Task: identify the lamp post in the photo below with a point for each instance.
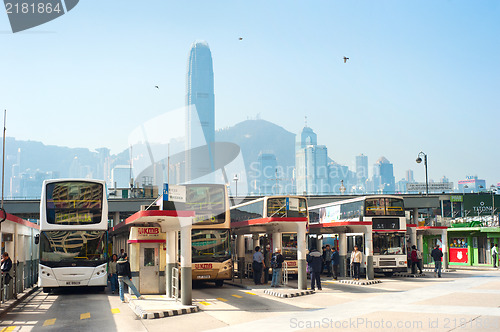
(493, 190)
(342, 187)
(419, 160)
(235, 179)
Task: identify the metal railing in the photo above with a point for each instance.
(23, 275)
(285, 274)
(175, 283)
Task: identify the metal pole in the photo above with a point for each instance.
(426, 178)
(3, 158)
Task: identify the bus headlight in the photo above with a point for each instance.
(402, 263)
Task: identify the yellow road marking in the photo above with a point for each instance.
(85, 315)
(115, 311)
(8, 329)
(237, 296)
(221, 299)
(49, 322)
(250, 293)
(205, 303)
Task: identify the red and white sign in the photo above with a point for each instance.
(459, 255)
(203, 266)
(146, 234)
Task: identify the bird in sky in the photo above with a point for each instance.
(241, 38)
(156, 86)
(345, 59)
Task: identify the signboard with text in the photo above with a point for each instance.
(434, 186)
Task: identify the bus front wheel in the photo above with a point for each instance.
(219, 283)
(46, 289)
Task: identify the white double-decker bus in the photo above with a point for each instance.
(73, 234)
(386, 216)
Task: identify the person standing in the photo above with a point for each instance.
(257, 265)
(437, 255)
(5, 266)
(328, 260)
(125, 277)
(356, 258)
(276, 264)
(494, 254)
(315, 261)
(335, 262)
(113, 277)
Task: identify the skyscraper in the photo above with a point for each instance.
(361, 170)
(383, 176)
(200, 124)
(311, 165)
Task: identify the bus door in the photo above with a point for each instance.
(149, 270)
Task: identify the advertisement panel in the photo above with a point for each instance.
(479, 204)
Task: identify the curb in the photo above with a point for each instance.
(363, 283)
(10, 306)
(288, 295)
(143, 314)
(442, 270)
(408, 275)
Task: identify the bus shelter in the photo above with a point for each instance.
(145, 229)
(342, 229)
(272, 216)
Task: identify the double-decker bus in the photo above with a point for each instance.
(270, 210)
(211, 233)
(73, 234)
(386, 215)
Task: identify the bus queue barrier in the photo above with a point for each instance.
(249, 270)
(285, 274)
(175, 283)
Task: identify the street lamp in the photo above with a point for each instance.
(342, 187)
(419, 160)
(235, 179)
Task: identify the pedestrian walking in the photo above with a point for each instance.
(276, 264)
(112, 276)
(414, 260)
(315, 262)
(125, 277)
(335, 262)
(494, 254)
(437, 255)
(258, 265)
(356, 258)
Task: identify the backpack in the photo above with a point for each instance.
(419, 254)
(274, 262)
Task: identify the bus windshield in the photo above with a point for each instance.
(211, 245)
(384, 206)
(283, 207)
(72, 248)
(389, 244)
(74, 203)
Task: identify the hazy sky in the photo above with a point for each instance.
(422, 75)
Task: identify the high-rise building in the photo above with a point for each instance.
(383, 176)
(361, 170)
(311, 165)
(266, 179)
(472, 184)
(409, 176)
(200, 102)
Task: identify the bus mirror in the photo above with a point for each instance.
(37, 239)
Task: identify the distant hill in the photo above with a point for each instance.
(35, 157)
(256, 136)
